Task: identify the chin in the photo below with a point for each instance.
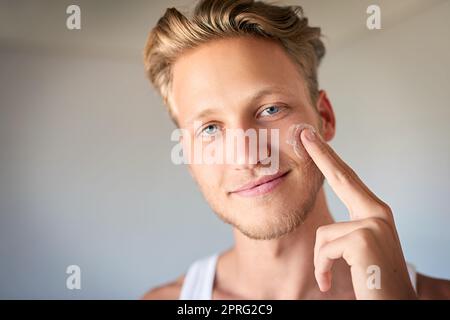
(273, 214)
(268, 229)
(265, 221)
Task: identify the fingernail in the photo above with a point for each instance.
(310, 135)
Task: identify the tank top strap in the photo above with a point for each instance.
(199, 280)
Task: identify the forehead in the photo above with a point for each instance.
(224, 72)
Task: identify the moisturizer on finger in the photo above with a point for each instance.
(295, 141)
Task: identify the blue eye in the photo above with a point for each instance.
(210, 130)
(270, 111)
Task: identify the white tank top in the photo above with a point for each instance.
(199, 280)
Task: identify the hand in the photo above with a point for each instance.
(368, 239)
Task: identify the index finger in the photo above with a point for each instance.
(357, 197)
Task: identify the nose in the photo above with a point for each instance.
(247, 147)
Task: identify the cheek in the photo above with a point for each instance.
(294, 140)
(290, 144)
(209, 177)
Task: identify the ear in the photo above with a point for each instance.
(327, 118)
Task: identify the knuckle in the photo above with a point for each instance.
(384, 208)
(363, 237)
(384, 211)
(375, 224)
(320, 231)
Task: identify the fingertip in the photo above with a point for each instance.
(324, 287)
(324, 282)
(308, 135)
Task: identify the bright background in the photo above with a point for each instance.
(85, 170)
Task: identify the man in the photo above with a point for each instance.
(250, 65)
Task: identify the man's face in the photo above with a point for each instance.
(243, 83)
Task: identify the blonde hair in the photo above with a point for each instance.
(214, 19)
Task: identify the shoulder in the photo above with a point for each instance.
(169, 291)
(432, 288)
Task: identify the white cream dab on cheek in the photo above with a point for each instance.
(294, 138)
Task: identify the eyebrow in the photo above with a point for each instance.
(254, 97)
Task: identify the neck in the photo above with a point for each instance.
(282, 268)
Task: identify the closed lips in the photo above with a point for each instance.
(271, 180)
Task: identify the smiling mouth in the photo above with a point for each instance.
(262, 187)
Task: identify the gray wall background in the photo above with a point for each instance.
(85, 170)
